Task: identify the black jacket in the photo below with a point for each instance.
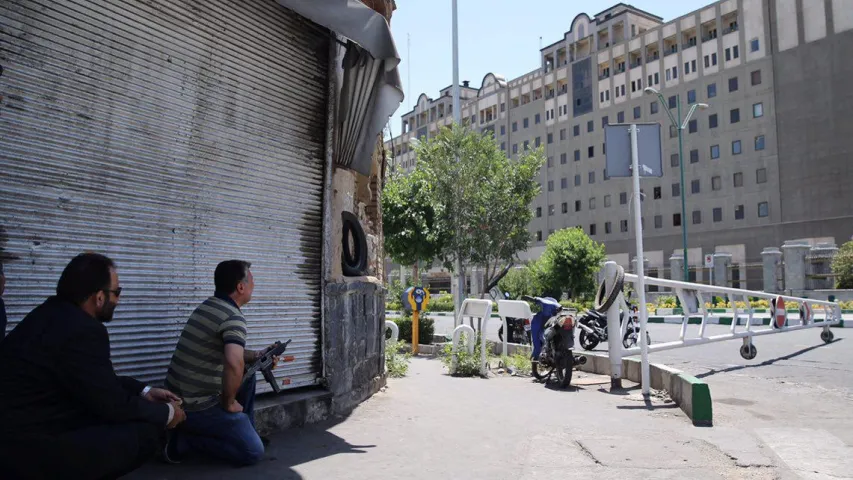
(56, 375)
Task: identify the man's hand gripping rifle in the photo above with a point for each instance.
(265, 364)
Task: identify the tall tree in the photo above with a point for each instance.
(569, 263)
(485, 197)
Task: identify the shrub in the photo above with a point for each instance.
(518, 362)
(443, 303)
(426, 329)
(396, 360)
(842, 266)
(468, 365)
(393, 306)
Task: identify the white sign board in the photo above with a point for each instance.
(709, 260)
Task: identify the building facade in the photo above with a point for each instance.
(767, 161)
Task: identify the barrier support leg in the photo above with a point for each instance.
(614, 344)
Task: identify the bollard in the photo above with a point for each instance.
(472, 341)
(614, 343)
(795, 265)
(722, 262)
(772, 263)
(676, 267)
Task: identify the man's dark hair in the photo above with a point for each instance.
(85, 275)
(229, 273)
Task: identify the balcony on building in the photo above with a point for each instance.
(525, 98)
(433, 114)
(688, 38)
(562, 87)
(489, 114)
(635, 58)
(603, 38)
(550, 93)
(709, 30)
(618, 33)
(583, 48)
(652, 52)
(670, 46)
(619, 64)
(730, 23)
(562, 58)
(548, 62)
(441, 110)
(604, 70)
(537, 94)
(515, 102)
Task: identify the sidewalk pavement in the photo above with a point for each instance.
(430, 425)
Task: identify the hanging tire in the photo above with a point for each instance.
(565, 366)
(587, 341)
(605, 298)
(354, 258)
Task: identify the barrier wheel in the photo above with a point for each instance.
(827, 336)
(748, 352)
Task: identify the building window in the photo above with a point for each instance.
(577, 155)
(503, 129)
(736, 147)
(590, 151)
(604, 121)
(539, 236)
(694, 156)
(538, 141)
(623, 198)
(657, 78)
(734, 115)
(716, 183)
(550, 138)
(538, 212)
(577, 180)
(761, 175)
(577, 205)
(526, 145)
(514, 148)
(623, 225)
(735, 52)
(606, 201)
(707, 61)
(590, 126)
(739, 214)
(550, 185)
(754, 45)
(674, 72)
(691, 97)
(715, 151)
(564, 183)
(686, 68)
(673, 132)
(757, 110)
(759, 143)
(592, 229)
(607, 95)
(653, 108)
(536, 119)
(576, 130)
(694, 186)
(592, 203)
(514, 126)
(503, 107)
(728, 54)
(673, 160)
(672, 101)
(657, 193)
(637, 112)
(676, 189)
(564, 207)
(620, 117)
(591, 177)
(550, 210)
(601, 97)
(623, 90)
(658, 221)
(562, 134)
(712, 90)
(526, 123)
(676, 219)
(763, 209)
(733, 84)
(738, 179)
(693, 126)
(718, 214)
(756, 77)
(697, 217)
(503, 146)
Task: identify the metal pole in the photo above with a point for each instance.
(457, 112)
(641, 283)
(614, 345)
(683, 191)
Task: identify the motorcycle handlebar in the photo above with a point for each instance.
(528, 298)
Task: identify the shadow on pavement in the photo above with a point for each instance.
(766, 362)
(287, 449)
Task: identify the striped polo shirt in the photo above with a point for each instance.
(195, 373)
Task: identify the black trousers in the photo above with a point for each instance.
(98, 452)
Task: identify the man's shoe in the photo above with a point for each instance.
(170, 451)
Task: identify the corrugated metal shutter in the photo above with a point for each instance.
(169, 135)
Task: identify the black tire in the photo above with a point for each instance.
(539, 375)
(827, 336)
(628, 341)
(501, 333)
(604, 299)
(354, 260)
(587, 341)
(565, 366)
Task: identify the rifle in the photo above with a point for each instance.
(264, 364)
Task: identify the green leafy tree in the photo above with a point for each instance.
(410, 221)
(569, 263)
(842, 266)
(484, 196)
(520, 281)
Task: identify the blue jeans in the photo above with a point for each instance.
(228, 436)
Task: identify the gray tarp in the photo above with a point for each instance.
(371, 89)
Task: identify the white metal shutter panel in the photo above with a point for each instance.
(170, 135)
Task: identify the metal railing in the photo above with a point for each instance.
(474, 309)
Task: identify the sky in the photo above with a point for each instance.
(499, 36)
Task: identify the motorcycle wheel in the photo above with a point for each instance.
(588, 342)
(564, 369)
(539, 375)
(631, 338)
(501, 333)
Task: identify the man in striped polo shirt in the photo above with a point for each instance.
(207, 369)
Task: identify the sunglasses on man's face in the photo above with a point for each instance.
(116, 292)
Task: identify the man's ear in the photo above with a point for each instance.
(100, 299)
(241, 287)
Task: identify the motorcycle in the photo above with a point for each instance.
(593, 329)
(553, 336)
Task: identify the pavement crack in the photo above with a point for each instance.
(588, 453)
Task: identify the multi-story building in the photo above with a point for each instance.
(770, 160)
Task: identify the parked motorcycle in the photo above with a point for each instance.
(553, 336)
(593, 329)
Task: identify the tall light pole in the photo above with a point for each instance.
(679, 125)
(457, 119)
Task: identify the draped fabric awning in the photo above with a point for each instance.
(371, 90)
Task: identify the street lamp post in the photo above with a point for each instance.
(679, 125)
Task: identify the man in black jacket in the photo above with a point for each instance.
(64, 413)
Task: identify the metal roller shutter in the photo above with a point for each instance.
(170, 135)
